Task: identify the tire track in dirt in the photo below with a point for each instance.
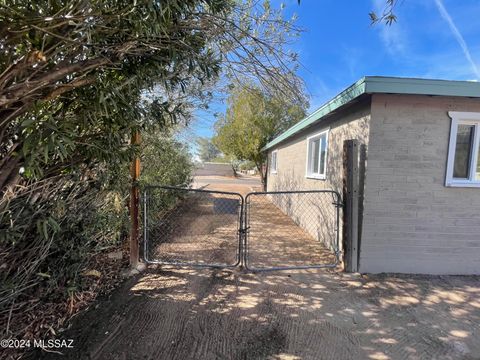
(184, 330)
(140, 330)
(307, 335)
(212, 332)
(197, 337)
(223, 314)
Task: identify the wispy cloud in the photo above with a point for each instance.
(458, 36)
(393, 37)
(320, 93)
(444, 65)
(394, 40)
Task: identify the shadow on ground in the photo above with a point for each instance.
(308, 314)
(169, 313)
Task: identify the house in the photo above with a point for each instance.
(421, 181)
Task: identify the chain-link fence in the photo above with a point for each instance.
(292, 229)
(191, 226)
(274, 230)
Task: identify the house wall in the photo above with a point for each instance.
(352, 123)
(412, 222)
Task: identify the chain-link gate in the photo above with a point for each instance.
(192, 226)
(292, 230)
(273, 231)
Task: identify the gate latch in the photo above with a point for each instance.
(243, 231)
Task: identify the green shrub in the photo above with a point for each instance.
(51, 229)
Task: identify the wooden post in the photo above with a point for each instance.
(134, 199)
(362, 163)
(351, 206)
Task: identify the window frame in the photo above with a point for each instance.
(463, 118)
(272, 169)
(310, 139)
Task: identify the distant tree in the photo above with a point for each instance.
(253, 118)
(247, 165)
(207, 151)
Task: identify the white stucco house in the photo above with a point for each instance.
(421, 185)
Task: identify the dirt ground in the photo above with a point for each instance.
(275, 241)
(203, 229)
(172, 313)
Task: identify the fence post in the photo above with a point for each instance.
(351, 193)
(134, 199)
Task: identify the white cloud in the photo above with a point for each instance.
(458, 36)
(393, 37)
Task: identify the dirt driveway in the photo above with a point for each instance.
(203, 228)
(169, 313)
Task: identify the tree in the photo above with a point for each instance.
(253, 118)
(101, 57)
(207, 151)
(76, 79)
(167, 161)
(387, 15)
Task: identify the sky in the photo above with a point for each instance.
(431, 39)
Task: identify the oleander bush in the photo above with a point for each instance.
(77, 79)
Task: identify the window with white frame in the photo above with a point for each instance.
(317, 155)
(463, 164)
(273, 162)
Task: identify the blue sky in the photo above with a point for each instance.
(431, 39)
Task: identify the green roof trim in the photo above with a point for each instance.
(383, 85)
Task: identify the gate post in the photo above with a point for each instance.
(351, 194)
(134, 199)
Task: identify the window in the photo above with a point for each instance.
(463, 165)
(273, 162)
(317, 155)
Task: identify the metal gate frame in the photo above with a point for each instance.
(145, 198)
(242, 258)
(336, 202)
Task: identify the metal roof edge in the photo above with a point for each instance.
(383, 85)
(344, 97)
(417, 86)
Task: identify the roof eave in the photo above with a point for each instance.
(413, 86)
(343, 98)
(383, 85)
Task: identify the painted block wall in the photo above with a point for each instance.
(352, 123)
(412, 222)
